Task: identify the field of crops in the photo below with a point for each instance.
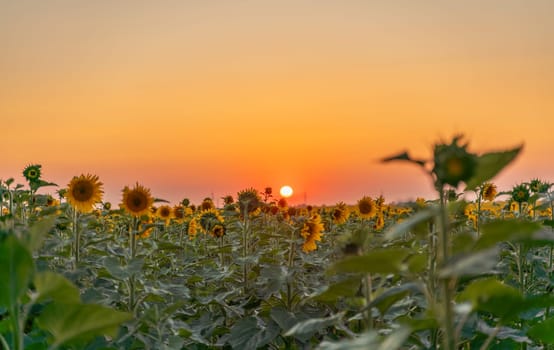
(471, 268)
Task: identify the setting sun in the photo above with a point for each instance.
(286, 191)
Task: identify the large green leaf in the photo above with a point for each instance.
(543, 332)
(385, 300)
(38, 232)
(490, 164)
(345, 288)
(80, 322)
(16, 271)
(491, 295)
(387, 260)
(243, 332)
(504, 231)
(409, 224)
(472, 264)
(314, 325)
(50, 285)
(370, 340)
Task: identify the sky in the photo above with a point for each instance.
(198, 99)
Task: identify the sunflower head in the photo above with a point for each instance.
(538, 186)
(282, 203)
(137, 201)
(228, 200)
(83, 192)
(207, 204)
(367, 207)
(249, 200)
(210, 218)
(218, 230)
(488, 191)
(192, 228)
(453, 164)
(520, 193)
(379, 222)
(179, 212)
(165, 213)
(32, 172)
(340, 213)
(311, 232)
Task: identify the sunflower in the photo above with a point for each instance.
(179, 213)
(210, 218)
(340, 213)
(453, 163)
(218, 230)
(379, 222)
(367, 207)
(192, 229)
(165, 213)
(249, 200)
(311, 232)
(137, 201)
(207, 204)
(488, 191)
(83, 192)
(282, 203)
(520, 193)
(32, 172)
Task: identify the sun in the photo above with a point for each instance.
(286, 191)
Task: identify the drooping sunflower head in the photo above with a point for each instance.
(520, 193)
(192, 228)
(340, 213)
(83, 192)
(32, 172)
(379, 222)
(367, 207)
(488, 191)
(311, 232)
(453, 163)
(249, 200)
(137, 201)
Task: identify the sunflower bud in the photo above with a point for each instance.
(453, 164)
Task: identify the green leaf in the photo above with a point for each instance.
(543, 332)
(385, 300)
(472, 264)
(38, 232)
(370, 340)
(491, 295)
(285, 319)
(313, 325)
(16, 271)
(242, 332)
(405, 157)
(504, 231)
(346, 288)
(401, 228)
(80, 322)
(385, 261)
(490, 164)
(50, 285)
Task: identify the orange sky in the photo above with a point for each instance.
(199, 98)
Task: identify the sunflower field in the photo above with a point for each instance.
(471, 268)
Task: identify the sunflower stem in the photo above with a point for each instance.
(447, 284)
(76, 237)
(245, 228)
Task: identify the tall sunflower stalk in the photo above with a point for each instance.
(83, 192)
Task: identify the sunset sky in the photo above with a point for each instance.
(201, 98)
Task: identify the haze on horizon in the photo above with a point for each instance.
(198, 98)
